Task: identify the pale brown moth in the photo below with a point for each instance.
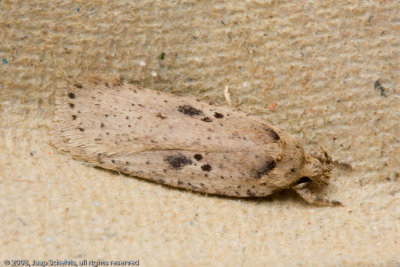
(182, 142)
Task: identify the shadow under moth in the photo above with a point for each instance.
(182, 141)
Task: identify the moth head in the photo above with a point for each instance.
(318, 167)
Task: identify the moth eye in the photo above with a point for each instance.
(303, 180)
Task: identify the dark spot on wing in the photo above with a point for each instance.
(198, 157)
(102, 125)
(206, 119)
(81, 129)
(250, 193)
(71, 105)
(265, 169)
(71, 95)
(74, 117)
(189, 110)
(273, 134)
(100, 158)
(206, 167)
(293, 170)
(178, 161)
(161, 115)
(78, 85)
(218, 115)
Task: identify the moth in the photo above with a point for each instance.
(182, 142)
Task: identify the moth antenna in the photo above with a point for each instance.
(304, 192)
(337, 163)
(343, 164)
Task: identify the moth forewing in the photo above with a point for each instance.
(178, 141)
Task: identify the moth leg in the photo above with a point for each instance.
(227, 96)
(309, 196)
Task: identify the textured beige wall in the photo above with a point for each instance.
(309, 67)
